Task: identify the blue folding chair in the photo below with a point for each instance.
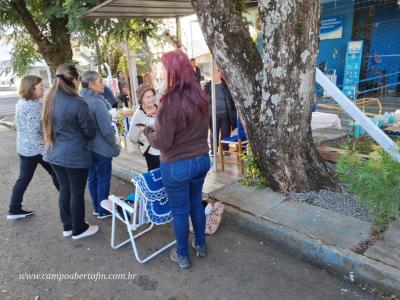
(150, 207)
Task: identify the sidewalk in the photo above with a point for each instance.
(320, 236)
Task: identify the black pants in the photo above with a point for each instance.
(124, 100)
(223, 129)
(27, 168)
(153, 161)
(72, 198)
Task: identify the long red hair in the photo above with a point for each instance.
(183, 97)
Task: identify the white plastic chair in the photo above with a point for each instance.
(134, 217)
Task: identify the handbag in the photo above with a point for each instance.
(214, 214)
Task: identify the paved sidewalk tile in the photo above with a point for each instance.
(248, 199)
(322, 224)
(388, 249)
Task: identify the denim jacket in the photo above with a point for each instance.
(104, 143)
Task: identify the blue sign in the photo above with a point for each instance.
(331, 28)
(352, 68)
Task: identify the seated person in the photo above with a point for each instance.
(238, 134)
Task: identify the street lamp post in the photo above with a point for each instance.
(191, 36)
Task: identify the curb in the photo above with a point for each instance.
(359, 268)
(10, 125)
(123, 173)
(353, 266)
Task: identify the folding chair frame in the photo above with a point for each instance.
(132, 226)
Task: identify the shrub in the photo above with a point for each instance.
(375, 181)
(253, 175)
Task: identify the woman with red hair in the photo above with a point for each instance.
(180, 132)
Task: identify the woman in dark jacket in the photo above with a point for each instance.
(68, 127)
(225, 108)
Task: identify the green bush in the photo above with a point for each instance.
(253, 175)
(375, 181)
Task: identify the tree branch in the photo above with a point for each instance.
(30, 24)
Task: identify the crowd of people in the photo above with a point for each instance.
(70, 134)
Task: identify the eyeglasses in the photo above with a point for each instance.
(98, 81)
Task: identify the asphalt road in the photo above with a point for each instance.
(239, 265)
(7, 104)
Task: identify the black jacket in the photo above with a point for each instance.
(230, 105)
(197, 74)
(73, 127)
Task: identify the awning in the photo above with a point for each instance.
(143, 9)
(140, 9)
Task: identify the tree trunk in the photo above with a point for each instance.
(273, 98)
(55, 49)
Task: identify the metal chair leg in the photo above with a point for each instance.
(221, 156)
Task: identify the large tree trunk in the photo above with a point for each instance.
(273, 98)
(56, 49)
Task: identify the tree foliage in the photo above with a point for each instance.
(51, 24)
(24, 54)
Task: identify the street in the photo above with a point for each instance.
(7, 103)
(239, 265)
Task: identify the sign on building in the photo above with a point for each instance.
(331, 28)
(352, 68)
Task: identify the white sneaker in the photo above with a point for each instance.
(90, 231)
(67, 232)
(95, 213)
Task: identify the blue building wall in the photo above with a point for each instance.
(334, 51)
(385, 44)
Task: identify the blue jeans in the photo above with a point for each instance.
(99, 180)
(183, 181)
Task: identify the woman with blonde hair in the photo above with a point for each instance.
(30, 144)
(148, 79)
(68, 126)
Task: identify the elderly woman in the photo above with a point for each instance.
(145, 115)
(103, 147)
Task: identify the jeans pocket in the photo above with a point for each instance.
(180, 170)
(206, 163)
(203, 165)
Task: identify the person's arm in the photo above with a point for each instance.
(85, 120)
(207, 90)
(104, 124)
(198, 74)
(109, 96)
(120, 86)
(134, 131)
(162, 134)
